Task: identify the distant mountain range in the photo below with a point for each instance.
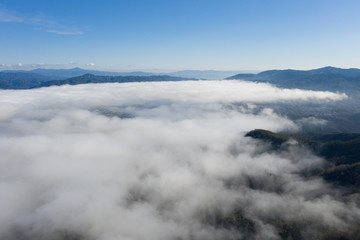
(90, 78)
(60, 74)
(327, 78)
(28, 80)
(203, 74)
(20, 79)
(341, 116)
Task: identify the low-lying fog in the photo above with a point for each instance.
(161, 160)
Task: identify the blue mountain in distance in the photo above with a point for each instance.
(327, 78)
(90, 78)
(47, 77)
(74, 72)
(351, 72)
(21, 80)
(332, 70)
(29, 80)
(340, 116)
(203, 74)
(59, 74)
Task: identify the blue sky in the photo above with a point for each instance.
(127, 35)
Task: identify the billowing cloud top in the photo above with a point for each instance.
(183, 91)
(164, 160)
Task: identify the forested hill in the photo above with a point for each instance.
(327, 78)
(340, 150)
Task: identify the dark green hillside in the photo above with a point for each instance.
(275, 139)
(345, 175)
(341, 150)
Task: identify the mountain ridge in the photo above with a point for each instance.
(60, 74)
(326, 78)
(91, 78)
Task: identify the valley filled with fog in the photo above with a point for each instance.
(163, 160)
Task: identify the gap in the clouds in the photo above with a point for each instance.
(113, 112)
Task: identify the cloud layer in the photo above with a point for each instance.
(157, 161)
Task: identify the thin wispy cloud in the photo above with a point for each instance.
(9, 16)
(59, 32)
(22, 66)
(5, 66)
(40, 20)
(17, 66)
(43, 20)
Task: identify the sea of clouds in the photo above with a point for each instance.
(160, 160)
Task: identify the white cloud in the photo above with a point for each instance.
(62, 32)
(6, 66)
(11, 66)
(174, 157)
(40, 20)
(38, 65)
(190, 92)
(21, 66)
(90, 64)
(9, 16)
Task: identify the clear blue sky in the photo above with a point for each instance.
(180, 34)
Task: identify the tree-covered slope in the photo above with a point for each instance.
(342, 151)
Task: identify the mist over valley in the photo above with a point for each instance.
(166, 160)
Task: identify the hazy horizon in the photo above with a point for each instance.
(52, 67)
